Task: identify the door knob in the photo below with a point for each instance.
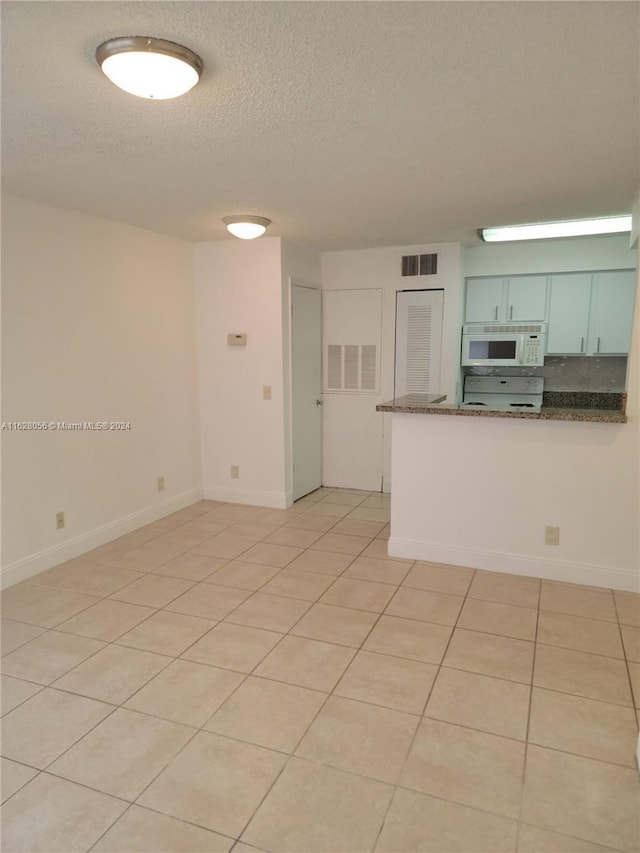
(318, 402)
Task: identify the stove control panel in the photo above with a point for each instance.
(504, 384)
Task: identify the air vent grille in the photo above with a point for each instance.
(429, 264)
(420, 264)
(334, 367)
(352, 367)
(511, 329)
(368, 373)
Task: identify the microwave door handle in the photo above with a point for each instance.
(496, 313)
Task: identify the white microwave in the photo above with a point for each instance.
(504, 346)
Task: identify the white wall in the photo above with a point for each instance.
(239, 287)
(541, 256)
(478, 492)
(243, 286)
(98, 324)
(380, 268)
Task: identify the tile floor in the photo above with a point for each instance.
(237, 678)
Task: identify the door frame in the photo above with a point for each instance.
(294, 281)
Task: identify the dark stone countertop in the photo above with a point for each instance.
(613, 401)
(426, 404)
(411, 403)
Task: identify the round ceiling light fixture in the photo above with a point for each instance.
(246, 227)
(149, 67)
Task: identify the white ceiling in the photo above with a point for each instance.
(349, 124)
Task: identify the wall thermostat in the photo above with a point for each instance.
(236, 340)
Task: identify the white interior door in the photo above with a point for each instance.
(306, 388)
(353, 437)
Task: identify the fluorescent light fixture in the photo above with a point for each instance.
(149, 67)
(549, 230)
(246, 227)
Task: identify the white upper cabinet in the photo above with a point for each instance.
(569, 313)
(504, 300)
(526, 298)
(612, 308)
(591, 313)
(483, 300)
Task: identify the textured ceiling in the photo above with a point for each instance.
(349, 124)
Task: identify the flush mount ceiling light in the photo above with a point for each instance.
(149, 67)
(246, 227)
(548, 230)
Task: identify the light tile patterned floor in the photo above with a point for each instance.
(238, 678)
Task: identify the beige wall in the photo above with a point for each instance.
(98, 324)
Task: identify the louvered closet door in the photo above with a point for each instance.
(418, 341)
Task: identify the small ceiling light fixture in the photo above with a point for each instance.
(246, 227)
(549, 230)
(149, 67)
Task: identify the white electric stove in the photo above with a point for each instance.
(503, 393)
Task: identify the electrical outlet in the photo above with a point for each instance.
(235, 472)
(551, 535)
(266, 392)
(161, 484)
(59, 520)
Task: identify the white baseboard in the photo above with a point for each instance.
(386, 484)
(252, 497)
(516, 564)
(26, 568)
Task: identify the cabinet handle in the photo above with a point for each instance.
(581, 344)
(598, 346)
(496, 313)
(511, 312)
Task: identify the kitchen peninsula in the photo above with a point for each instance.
(475, 489)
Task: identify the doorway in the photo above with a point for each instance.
(306, 387)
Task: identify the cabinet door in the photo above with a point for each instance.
(613, 299)
(526, 298)
(484, 302)
(569, 313)
(418, 341)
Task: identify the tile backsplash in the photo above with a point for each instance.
(569, 373)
